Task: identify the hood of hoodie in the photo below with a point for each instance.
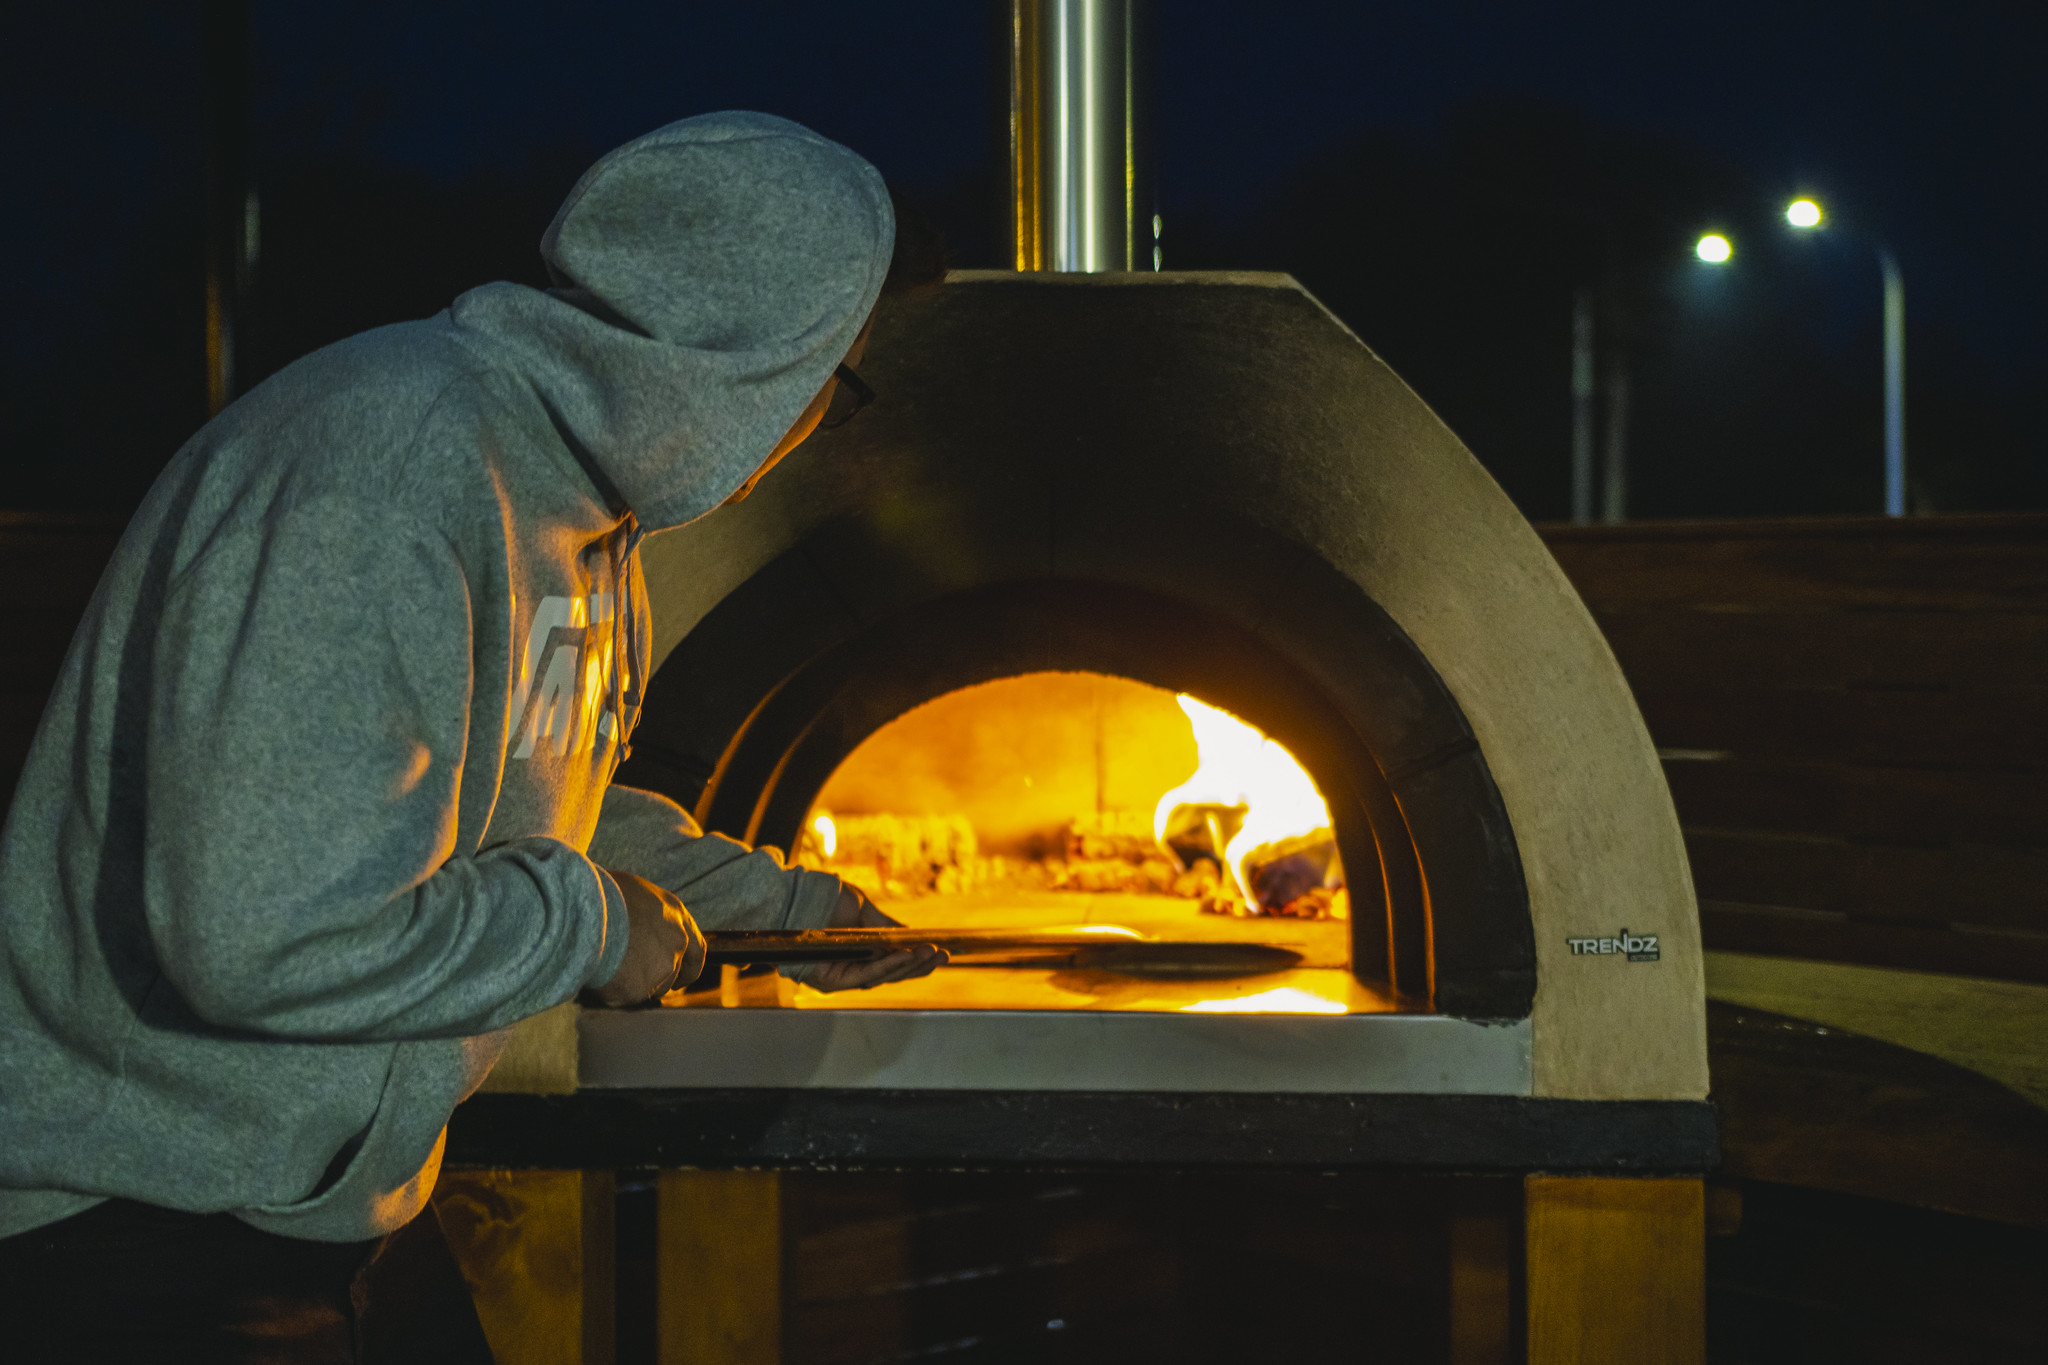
(713, 274)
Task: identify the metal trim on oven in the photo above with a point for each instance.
(1024, 1050)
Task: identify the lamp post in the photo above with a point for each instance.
(1589, 381)
(1600, 469)
(1582, 408)
(1806, 215)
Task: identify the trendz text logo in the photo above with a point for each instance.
(1638, 947)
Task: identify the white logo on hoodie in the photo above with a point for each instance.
(564, 707)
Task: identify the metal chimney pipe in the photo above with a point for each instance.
(1079, 136)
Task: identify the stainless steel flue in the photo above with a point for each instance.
(1079, 149)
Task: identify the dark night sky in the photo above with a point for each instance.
(1923, 122)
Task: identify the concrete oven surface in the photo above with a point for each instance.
(1215, 446)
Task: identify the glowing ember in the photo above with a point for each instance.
(827, 832)
(1279, 1000)
(1240, 769)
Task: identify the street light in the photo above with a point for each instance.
(1806, 214)
(1714, 249)
(1803, 213)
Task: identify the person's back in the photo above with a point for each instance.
(212, 782)
(320, 804)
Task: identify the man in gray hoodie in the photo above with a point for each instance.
(321, 804)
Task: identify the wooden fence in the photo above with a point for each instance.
(1853, 715)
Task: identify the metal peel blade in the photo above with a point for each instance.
(1101, 950)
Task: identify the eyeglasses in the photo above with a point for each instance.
(849, 396)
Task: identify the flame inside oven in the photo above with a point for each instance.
(1255, 812)
(1013, 801)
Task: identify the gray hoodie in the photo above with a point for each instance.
(319, 805)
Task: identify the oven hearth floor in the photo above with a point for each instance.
(1302, 991)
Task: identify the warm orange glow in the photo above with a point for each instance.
(1000, 800)
(1239, 766)
(1279, 1000)
(1020, 757)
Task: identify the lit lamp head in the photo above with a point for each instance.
(1714, 249)
(1803, 213)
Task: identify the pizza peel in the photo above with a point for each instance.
(1101, 949)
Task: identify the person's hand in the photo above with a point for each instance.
(664, 946)
(855, 911)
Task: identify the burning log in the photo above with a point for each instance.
(1297, 878)
(1255, 813)
(1201, 830)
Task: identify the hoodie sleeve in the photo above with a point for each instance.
(721, 883)
(309, 717)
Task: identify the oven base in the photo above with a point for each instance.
(833, 1129)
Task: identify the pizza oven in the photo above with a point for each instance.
(1122, 567)
(1153, 605)
(1141, 608)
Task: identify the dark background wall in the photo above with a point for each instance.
(1443, 175)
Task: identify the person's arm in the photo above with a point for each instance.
(725, 885)
(664, 949)
(309, 704)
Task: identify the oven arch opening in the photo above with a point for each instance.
(802, 734)
(1033, 802)
(1053, 798)
(746, 736)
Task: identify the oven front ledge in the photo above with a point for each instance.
(1047, 1050)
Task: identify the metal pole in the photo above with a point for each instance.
(1894, 384)
(1614, 503)
(1582, 407)
(1077, 136)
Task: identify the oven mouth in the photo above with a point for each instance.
(1045, 797)
(804, 734)
(1087, 808)
(1404, 833)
